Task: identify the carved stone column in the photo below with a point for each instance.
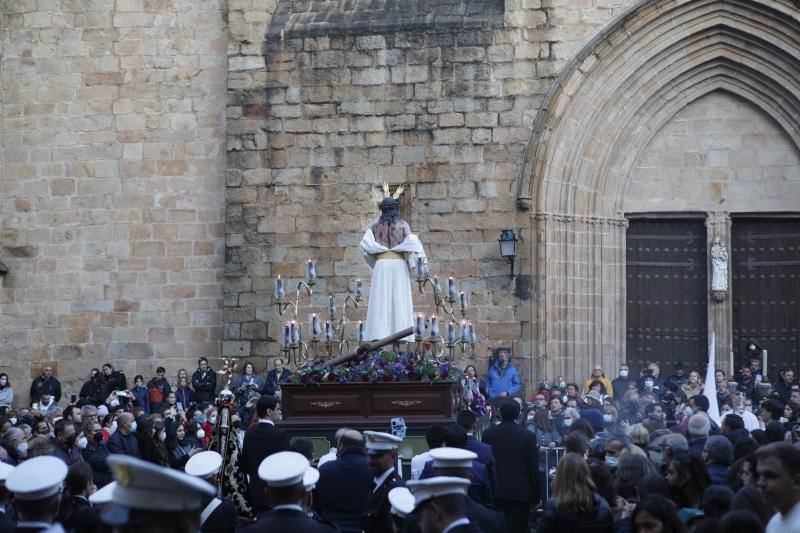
(580, 310)
(720, 313)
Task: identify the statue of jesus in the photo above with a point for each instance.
(391, 250)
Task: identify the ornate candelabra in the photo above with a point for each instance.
(444, 305)
(331, 336)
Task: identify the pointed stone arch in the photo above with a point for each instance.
(604, 109)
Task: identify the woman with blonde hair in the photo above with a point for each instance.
(575, 505)
(694, 386)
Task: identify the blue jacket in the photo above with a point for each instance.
(140, 398)
(350, 472)
(500, 380)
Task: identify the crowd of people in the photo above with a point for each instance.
(636, 453)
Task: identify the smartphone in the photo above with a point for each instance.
(121, 393)
(180, 406)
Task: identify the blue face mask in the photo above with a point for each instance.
(133, 426)
(612, 462)
(201, 418)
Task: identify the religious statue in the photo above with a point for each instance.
(391, 250)
(719, 270)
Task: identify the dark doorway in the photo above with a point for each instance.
(765, 267)
(667, 306)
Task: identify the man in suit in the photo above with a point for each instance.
(457, 462)
(283, 474)
(349, 469)
(219, 515)
(123, 441)
(480, 489)
(440, 503)
(382, 458)
(278, 375)
(466, 419)
(261, 441)
(516, 456)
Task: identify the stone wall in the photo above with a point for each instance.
(355, 97)
(111, 185)
(719, 153)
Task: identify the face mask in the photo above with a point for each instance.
(22, 447)
(562, 384)
(201, 419)
(748, 408)
(608, 419)
(113, 427)
(783, 420)
(567, 422)
(212, 420)
(133, 426)
(623, 373)
(612, 462)
(13, 420)
(649, 384)
(114, 403)
(162, 436)
(687, 411)
(82, 443)
(530, 417)
(201, 434)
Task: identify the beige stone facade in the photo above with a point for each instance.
(164, 160)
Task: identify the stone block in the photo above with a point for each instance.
(370, 76)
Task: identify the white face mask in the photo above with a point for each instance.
(608, 419)
(201, 434)
(612, 462)
(162, 436)
(567, 422)
(114, 403)
(623, 373)
(748, 408)
(648, 384)
(82, 443)
(688, 411)
(22, 447)
(133, 426)
(13, 420)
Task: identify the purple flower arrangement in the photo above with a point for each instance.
(378, 367)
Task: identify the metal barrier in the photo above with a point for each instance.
(550, 472)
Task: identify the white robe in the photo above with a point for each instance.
(390, 307)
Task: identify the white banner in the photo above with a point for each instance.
(710, 385)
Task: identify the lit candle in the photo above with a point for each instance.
(451, 333)
(331, 305)
(451, 289)
(311, 270)
(328, 332)
(360, 332)
(315, 329)
(420, 327)
(463, 298)
(280, 293)
(464, 332)
(434, 326)
(472, 337)
(359, 289)
(437, 287)
(287, 336)
(420, 268)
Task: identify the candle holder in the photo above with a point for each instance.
(440, 302)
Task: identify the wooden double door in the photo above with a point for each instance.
(668, 291)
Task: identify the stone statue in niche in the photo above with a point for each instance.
(719, 270)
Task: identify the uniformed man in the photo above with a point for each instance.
(36, 485)
(283, 473)
(151, 498)
(440, 503)
(402, 505)
(382, 458)
(220, 515)
(6, 515)
(458, 462)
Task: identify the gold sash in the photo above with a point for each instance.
(390, 255)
